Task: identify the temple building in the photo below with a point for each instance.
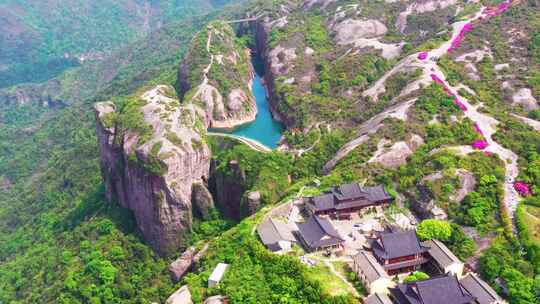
(318, 233)
(346, 199)
(400, 252)
(440, 290)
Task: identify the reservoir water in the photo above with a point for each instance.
(264, 129)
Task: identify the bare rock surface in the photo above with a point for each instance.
(524, 97)
(281, 60)
(467, 185)
(202, 73)
(322, 3)
(252, 202)
(350, 30)
(365, 34)
(181, 266)
(181, 296)
(219, 299)
(202, 200)
(419, 7)
(396, 155)
(152, 173)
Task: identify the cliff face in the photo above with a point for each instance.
(216, 75)
(229, 188)
(45, 95)
(272, 67)
(152, 153)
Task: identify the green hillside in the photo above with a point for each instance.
(40, 39)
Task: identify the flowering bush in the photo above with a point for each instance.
(460, 104)
(480, 144)
(457, 41)
(522, 188)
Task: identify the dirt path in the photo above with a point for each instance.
(429, 67)
(535, 124)
(488, 126)
(339, 275)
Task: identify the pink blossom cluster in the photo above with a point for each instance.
(462, 106)
(480, 144)
(522, 188)
(423, 55)
(478, 130)
(457, 41)
(438, 80)
(495, 11)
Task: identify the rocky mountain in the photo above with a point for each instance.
(153, 152)
(216, 74)
(435, 100)
(161, 142)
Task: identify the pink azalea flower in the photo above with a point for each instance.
(423, 55)
(522, 188)
(437, 79)
(460, 104)
(480, 144)
(457, 41)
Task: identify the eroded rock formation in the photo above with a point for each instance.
(216, 75)
(181, 296)
(152, 153)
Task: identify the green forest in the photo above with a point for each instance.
(61, 241)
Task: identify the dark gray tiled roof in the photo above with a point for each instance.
(272, 231)
(369, 266)
(319, 232)
(440, 253)
(378, 298)
(479, 289)
(439, 290)
(397, 244)
(348, 191)
(362, 196)
(355, 191)
(323, 202)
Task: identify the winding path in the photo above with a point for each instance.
(430, 73)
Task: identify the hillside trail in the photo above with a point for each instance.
(341, 277)
(431, 72)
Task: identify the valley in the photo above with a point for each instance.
(270, 150)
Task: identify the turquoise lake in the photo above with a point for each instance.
(264, 129)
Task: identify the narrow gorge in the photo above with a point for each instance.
(155, 154)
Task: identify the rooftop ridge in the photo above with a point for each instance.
(371, 261)
(483, 284)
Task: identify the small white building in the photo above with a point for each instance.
(217, 274)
